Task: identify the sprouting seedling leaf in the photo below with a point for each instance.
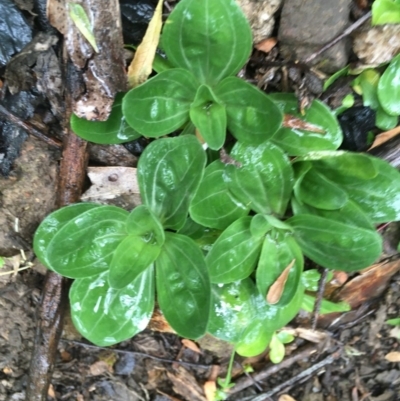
(141, 65)
(82, 22)
(275, 292)
(290, 121)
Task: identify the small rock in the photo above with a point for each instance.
(125, 365)
(378, 44)
(260, 14)
(307, 25)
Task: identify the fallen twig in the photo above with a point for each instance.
(302, 375)
(270, 370)
(318, 300)
(333, 42)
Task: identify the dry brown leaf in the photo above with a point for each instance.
(290, 121)
(79, 397)
(185, 384)
(286, 397)
(276, 290)
(210, 387)
(191, 345)
(99, 368)
(369, 284)
(313, 336)
(385, 136)
(266, 45)
(50, 392)
(214, 372)
(142, 64)
(393, 357)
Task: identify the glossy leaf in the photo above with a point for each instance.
(212, 38)
(385, 12)
(261, 224)
(264, 181)
(114, 130)
(52, 224)
(214, 205)
(183, 286)
(169, 173)
(336, 245)
(310, 279)
(161, 105)
(350, 213)
(79, 17)
(85, 245)
(234, 254)
(378, 197)
(241, 316)
(209, 117)
(389, 88)
(342, 166)
(297, 142)
(131, 257)
(385, 121)
(192, 229)
(141, 222)
(318, 191)
(252, 116)
(278, 252)
(366, 84)
(106, 316)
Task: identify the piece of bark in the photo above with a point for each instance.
(103, 72)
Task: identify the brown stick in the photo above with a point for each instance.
(51, 311)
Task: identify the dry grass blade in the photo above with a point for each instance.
(385, 136)
(276, 290)
(141, 65)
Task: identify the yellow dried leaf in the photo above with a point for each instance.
(393, 357)
(141, 65)
(286, 397)
(276, 290)
(210, 387)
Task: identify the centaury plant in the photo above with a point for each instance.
(221, 242)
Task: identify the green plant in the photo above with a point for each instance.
(226, 239)
(385, 12)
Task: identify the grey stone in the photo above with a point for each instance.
(307, 25)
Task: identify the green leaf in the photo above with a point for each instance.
(318, 191)
(277, 350)
(237, 315)
(298, 142)
(106, 316)
(261, 224)
(141, 222)
(139, 250)
(378, 197)
(161, 105)
(212, 38)
(342, 72)
(234, 254)
(389, 88)
(385, 12)
(183, 286)
(214, 205)
(278, 252)
(336, 245)
(326, 306)
(209, 117)
(285, 337)
(114, 130)
(192, 229)
(79, 17)
(264, 181)
(350, 213)
(342, 166)
(240, 315)
(366, 84)
(252, 116)
(85, 245)
(385, 121)
(52, 224)
(310, 279)
(393, 322)
(169, 173)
